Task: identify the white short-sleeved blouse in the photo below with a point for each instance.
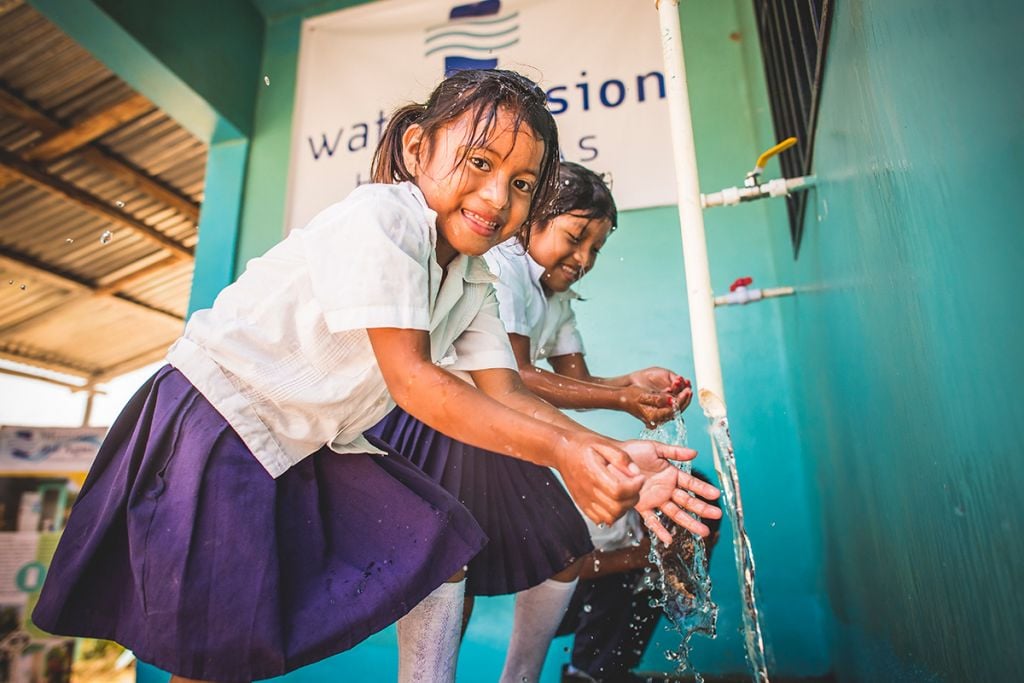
(283, 354)
(549, 322)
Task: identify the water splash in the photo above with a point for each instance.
(683, 582)
(725, 464)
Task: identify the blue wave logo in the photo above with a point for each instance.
(472, 30)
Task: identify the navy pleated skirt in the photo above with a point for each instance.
(534, 528)
(182, 548)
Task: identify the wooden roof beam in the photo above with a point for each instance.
(84, 132)
(79, 288)
(15, 105)
(31, 174)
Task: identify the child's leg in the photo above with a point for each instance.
(467, 611)
(538, 612)
(428, 636)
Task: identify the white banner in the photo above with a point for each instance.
(48, 449)
(598, 60)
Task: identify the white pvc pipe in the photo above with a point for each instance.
(710, 392)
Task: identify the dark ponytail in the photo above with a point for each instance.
(388, 161)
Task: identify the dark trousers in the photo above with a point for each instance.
(610, 636)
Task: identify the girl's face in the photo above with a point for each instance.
(483, 200)
(567, 246)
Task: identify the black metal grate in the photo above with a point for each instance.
(794, 35)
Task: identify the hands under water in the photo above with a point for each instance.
(655, 395)
(606, 478)
(669, 489)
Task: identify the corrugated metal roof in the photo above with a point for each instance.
(72, 300)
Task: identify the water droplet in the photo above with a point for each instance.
(69, 241)
(10, 282)
(602, 525)
(958, 510)
(119, 204)
(773, 525)
(587, 608)
(24, 287)
(621, 259)
(106, 237)
(266, 80)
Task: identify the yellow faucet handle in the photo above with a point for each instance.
(772, 151)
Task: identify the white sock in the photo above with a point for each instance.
(428, 637)
(539, 611)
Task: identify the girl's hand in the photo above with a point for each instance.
(651, 408)
(599, 476)
(664, 381)
(654, 379)
(669, 489)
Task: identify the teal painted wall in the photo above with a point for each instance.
(213, 46)
(904, 343)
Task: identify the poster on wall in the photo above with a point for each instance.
(599, 62)
(48, 449)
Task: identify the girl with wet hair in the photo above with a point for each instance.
(236, 523)
(537, 537)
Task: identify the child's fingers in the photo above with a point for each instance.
(652, 522)
(696, 505)
(614, 480)
(599, 513)
(677, 453)
(683, 519)
(619, 459)
(701, 488)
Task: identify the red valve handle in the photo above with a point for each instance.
(741, 282)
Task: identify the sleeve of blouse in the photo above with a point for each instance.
(511, 290)
(368, 264)
(568, 338)
(484, 345)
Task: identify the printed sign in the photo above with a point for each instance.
(598, 61)
(48, 449)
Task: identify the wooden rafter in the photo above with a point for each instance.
(15, 105)
(32, 174)
(78, 287)
(48, 363)
(84, 132)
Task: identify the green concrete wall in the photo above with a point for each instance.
(213, 46)
(904, 343)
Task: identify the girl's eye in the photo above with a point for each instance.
(523, 185)
(573, 238)
(479, 163)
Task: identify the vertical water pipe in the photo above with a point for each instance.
(710, 391)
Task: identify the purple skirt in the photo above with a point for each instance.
(182, 548)
(534, 528)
